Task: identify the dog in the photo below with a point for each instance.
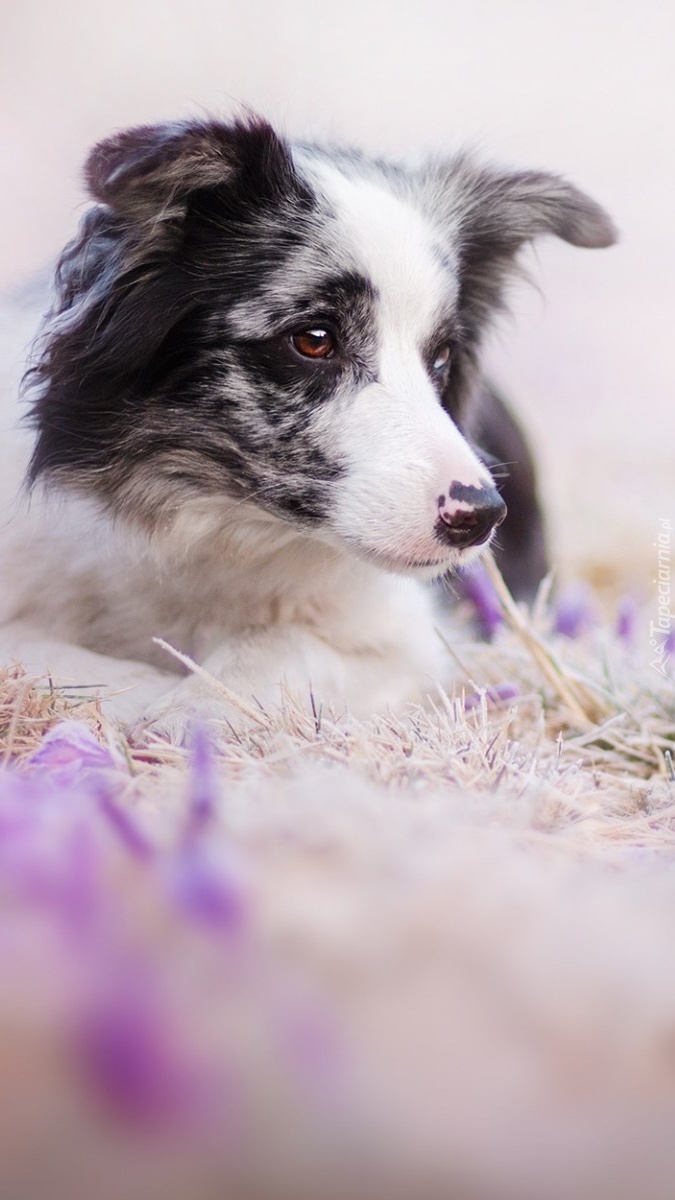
(259, 422)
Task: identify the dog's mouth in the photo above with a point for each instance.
(424, 568)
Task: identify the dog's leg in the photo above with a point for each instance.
(520, 543)
(246, 677)
(125, 688)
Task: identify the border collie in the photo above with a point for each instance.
(260, 423)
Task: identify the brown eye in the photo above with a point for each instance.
(441, 358)
(313, 343)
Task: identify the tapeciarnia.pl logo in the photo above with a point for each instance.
(661, 630)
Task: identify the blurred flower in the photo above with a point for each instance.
(478, 588)
(311, 1044)
(573, 612)
(209, 890)
(497, 693)
(205, 885)
(69, 749)
(124, 826)
(204, 786)
(626, 620)
(128, 1053)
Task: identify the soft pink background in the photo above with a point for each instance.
(585, 88)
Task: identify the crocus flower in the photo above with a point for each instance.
(478, 588)
(127, 1053)
(497, 693)
(311, 1043)
(68, 750)
(209, 891)
(124, 826)
(626, 619)
(204, 787)
(574, 613)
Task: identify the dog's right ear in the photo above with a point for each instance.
(149, 183)
(150, 168)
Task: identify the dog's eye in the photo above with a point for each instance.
(441, 358)
(313, 343)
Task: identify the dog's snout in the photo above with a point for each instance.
(472, 523)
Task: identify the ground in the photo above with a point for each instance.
(376, 947)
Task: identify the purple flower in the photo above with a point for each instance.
(495, 694)
(54, 869)
(478, 588)
(574, 613)
(126, 1050)
(311, 1043)
(204, 788)
(76, 881)
(625, 620)
(125, 827)
(209, 891)
(68, 750)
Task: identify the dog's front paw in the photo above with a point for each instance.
(191, 704)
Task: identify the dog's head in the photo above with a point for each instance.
(244, 319)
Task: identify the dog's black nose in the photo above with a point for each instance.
(469, 526)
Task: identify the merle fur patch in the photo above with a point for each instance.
(165, 369)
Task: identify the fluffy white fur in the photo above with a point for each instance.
(273, 523)
(248, 597)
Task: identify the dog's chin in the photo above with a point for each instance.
(424, 569)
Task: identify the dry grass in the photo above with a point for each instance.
(477, 896)
(30, 705)
(586, 737)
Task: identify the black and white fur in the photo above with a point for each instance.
(272, 515)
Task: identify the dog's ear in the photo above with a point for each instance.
(499, 210)
(149, 168)
(490, 213)
(507, 210)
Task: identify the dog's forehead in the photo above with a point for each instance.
(390, 242)
(362, 237)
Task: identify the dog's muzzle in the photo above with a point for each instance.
(472, 520)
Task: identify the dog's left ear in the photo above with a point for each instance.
(499, 210)
(490, 213)
(487, 215)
